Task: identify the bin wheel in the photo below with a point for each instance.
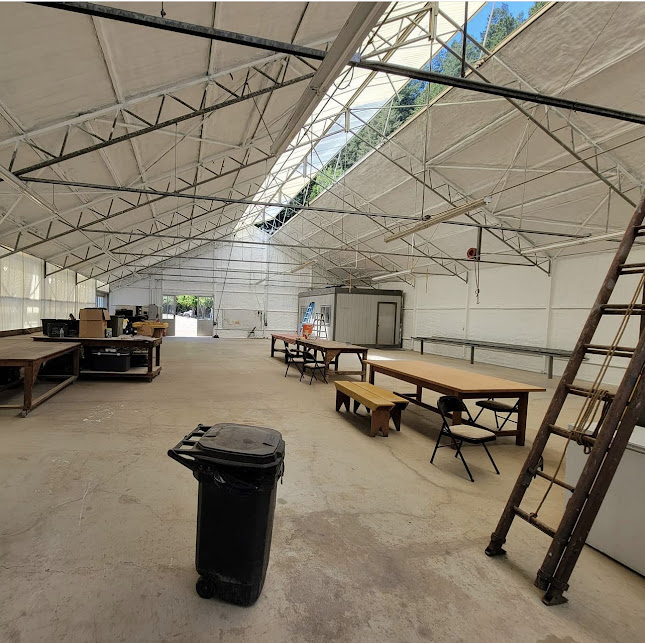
(205, 588)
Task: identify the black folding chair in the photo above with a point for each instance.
(461, 433)
(316, 365)
(293, 357)
(498, 408)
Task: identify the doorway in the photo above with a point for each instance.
(188, 315)
(386, 323)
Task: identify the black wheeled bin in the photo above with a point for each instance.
(238, 467)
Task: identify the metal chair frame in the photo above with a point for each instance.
(295, 358)
(509, 413)
(448, 404)
(316, 365)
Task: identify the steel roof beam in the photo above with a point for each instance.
(317, 54)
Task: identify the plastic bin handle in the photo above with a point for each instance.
(187, 462)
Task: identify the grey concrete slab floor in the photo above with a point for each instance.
(371, 542)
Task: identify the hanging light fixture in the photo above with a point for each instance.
(392, 274)
(439, 218)
(304, 265)
(571, 242)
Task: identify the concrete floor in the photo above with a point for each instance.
(371, 542)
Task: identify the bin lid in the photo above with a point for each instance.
(241, 444)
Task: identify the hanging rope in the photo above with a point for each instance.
(592, 403)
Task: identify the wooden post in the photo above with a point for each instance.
(28, 388)
(380, 420)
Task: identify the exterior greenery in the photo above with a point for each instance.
(407, 102)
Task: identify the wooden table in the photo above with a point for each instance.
(23, 353)
(151, 344)
(463, 384)
(330, 351)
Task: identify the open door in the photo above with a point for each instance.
(386, 323)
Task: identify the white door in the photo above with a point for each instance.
(386, 324)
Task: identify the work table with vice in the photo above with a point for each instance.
(151, 344)
(22, 353)
(329, 349)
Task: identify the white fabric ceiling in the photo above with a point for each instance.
(69, 81)
(480, 145)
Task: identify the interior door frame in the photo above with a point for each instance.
(378, 308)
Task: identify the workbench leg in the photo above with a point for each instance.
(272, 346)
(363, 358)
(522, 414)
(421, 346)
(158, 354)
(472, 354)
(28, 388)
(150, 361)
(549, 370)
(418, 395)
(336, 362)
(371, 375)
(76, 362)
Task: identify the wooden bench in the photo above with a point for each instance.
(382, 404)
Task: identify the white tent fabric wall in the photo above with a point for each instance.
(249, 282)
(517, 305)
(27, 296)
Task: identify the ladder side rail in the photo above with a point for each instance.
(498, 537)
(559, 583)
(590, 471)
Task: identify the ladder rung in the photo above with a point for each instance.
(640, 230)
(546, 476)
(565, 433)
(632, 268)
(618, 351)
(582, 391)
(621, 309)
(534, 521)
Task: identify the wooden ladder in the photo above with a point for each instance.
(607, 443)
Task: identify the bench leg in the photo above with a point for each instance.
(341, 399)
(380, 420)
(396, 417)
(357, 405)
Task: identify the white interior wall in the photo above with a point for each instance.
(242, 298)
(518, 305)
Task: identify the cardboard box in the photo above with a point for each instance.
(94, 314)
(91, 328)
(93, 322)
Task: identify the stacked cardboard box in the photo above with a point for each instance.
(93, 322)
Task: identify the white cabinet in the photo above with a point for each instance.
(619, 529)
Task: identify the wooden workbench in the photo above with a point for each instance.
(329, 350)
(23, 353)
(151, 344)
(463, 384)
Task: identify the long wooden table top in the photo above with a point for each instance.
(318, 343)
(426, 373)
(21, 350)
(141, 340)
